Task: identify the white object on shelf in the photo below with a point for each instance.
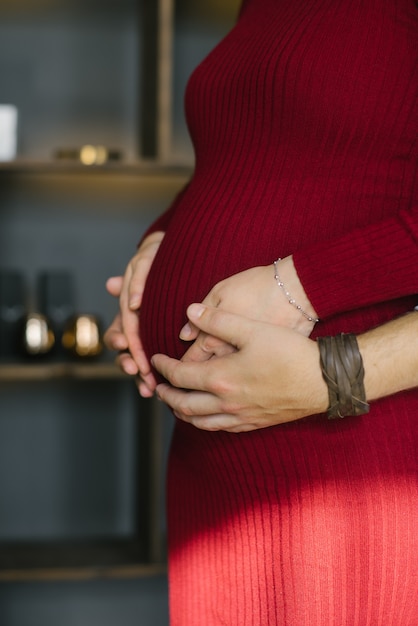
(8, 132)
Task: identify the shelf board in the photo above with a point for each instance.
(76, 560)
(146, 169)
(15, 372)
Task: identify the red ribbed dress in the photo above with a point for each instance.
(305, 125)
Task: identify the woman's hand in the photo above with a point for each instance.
(123, 333)
(272, 376)
(255, 294)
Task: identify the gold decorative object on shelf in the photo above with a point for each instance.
(89, 155)
(82, 336)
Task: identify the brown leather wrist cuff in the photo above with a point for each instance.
(343, 371)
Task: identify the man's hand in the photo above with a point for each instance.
(254, 294)
(272, 375)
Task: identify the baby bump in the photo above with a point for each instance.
(196, 253)
(212, 236)
(182, 273)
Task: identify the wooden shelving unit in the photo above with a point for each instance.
(32, 186)
(38, 193)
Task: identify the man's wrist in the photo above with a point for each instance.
(390, 357)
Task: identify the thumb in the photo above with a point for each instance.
(229, 327)
(114, 285)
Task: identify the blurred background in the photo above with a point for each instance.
(93, 146)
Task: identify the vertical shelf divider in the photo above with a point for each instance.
(150, 481)
(157, 74)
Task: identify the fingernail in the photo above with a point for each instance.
(133, 302)
(185, 332)
(195, 310)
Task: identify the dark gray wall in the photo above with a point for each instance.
(101, 603)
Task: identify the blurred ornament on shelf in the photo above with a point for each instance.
(89, 155)
(8, 132)
(38, 336)
(82, 336)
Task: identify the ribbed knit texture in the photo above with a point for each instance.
(305, 123)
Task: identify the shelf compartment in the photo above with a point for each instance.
(141, 552)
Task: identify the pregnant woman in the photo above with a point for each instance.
(304, 122)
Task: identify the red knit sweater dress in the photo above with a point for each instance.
(305, 124)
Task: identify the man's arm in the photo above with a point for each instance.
(274, 375)
(390, 357)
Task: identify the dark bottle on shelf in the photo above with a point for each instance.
(12, 313)
(55, 299)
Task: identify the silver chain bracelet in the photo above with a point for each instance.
(291, 300)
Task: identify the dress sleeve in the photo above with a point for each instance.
(367, 266)
(162, 222)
